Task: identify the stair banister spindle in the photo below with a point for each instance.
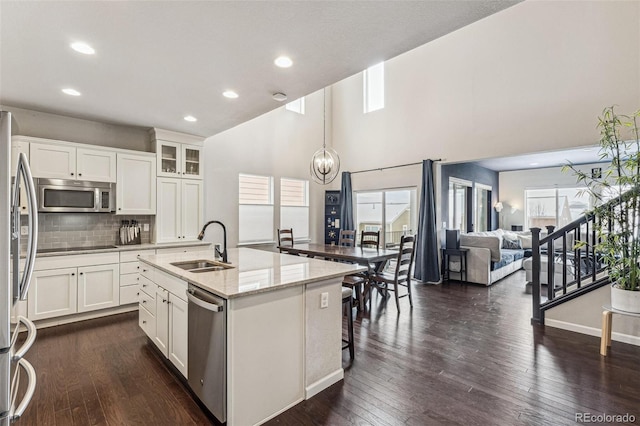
(535, 269)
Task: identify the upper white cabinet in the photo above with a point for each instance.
(53, 161)
(179, 160)
(136, 184)
(178, 155)
(98, 166)
(69, 162)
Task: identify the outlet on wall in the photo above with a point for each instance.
(324, 300)
(145, 227)
(24, 230)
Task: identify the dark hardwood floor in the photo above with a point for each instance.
(465, 354)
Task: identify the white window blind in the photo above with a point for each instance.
(294, 207)
(296, 106)
(255, 199)
(374, 88)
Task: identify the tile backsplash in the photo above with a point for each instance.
(62, 230)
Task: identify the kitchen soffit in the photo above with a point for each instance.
(156, 62)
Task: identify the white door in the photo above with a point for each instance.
(52, 161)
(191, 161)
(136, 184)
(95, 165)
(53, 293)
(178, 340)
(98, 287)
(192, 208)
(169, 156)
(162, 321)
(168, 221)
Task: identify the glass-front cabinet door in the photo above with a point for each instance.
(169, 159)
(191, 158)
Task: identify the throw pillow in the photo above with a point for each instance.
(511, 244)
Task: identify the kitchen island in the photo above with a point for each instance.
(282, 345)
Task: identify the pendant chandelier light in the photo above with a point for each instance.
(325, 163)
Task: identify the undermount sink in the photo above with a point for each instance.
(202, 265)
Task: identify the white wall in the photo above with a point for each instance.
(514, 183)
(279, 144)
(531, 78)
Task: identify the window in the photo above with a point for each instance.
(554, 206)
(396, 208)
(255, 199)
(296, 106)
(374, 88)
(294, 206)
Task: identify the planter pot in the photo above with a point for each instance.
(625, 300)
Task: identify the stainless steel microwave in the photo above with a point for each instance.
(60, 195)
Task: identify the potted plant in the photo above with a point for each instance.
(616, 195)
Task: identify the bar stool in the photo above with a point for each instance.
(347, 303)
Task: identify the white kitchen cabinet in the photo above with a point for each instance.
(53, 293)
(169, 315)
(52, 161)
(191, 162)
(16, 149)
(66, 161)
(136, 184)
(178, 160)
(178, 332)
(180, 210)
(98, 287)
(95, 165)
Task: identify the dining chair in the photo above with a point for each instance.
(401, 277)
(354, 281)
(347, 304)
(285, 239)
(347, 238)
(370, 239)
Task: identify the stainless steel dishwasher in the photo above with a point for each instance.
(207, 362)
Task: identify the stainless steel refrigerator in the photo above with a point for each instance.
(14, 286)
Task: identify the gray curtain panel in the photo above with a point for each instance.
(427, 268)
(346, 203)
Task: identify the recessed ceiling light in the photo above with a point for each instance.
(283, 61)
(190, 118)
(230, 94)
(83, 48)
(533, 164)
(72, 92)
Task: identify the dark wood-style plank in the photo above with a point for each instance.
(464, 355)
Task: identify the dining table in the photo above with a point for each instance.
(374, 259)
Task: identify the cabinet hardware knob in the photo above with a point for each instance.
(178, 236)
(164, 300)
(138, 267)
(71, 174)
(138, 294)
(79, 174)
(24, 207)
(81, 273)
(183, 236)
(144, 285)
(73, 274)
(144, 322)
(144, 301)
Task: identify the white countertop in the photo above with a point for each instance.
(254, 271)
(116, 248)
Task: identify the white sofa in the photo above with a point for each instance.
(485, 248)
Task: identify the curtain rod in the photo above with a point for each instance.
(391, 167)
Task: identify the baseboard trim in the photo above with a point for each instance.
(592, 331)
(52, 322)
(324, 383)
